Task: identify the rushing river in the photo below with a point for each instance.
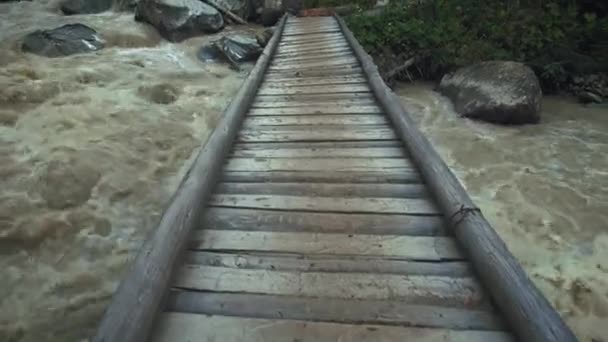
(545, 190)
(114, 129)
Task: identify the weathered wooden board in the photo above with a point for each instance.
(315, 53)
(318, 109)
(323, 177)
(328, 119)
(318, 89)
(299, 100)
(313, 98)
(426, 290)
(304, 33)
(316, 133)
(313, 81)
(310, 41)
(310, 37)
(390, 246)
(182, 327)
(380, 152)
(339, 264)
(325, 189)
(318, 145)
(365, 101)
(297, 221)
(318, 164)
(330, 310)
(327, 204)
(319, 48)
(313, 57)
(308, 72)
(287, 65)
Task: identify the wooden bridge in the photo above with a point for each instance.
(318, 212)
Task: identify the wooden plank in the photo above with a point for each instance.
(372, 152)
(335, 28)
(317, 99)
(295, 221)
(329, 119)
(317, 164)
(528, 312)
(309, 40)
(425, 290)
(308, 72)
(318, 48)
(323, 177)
(315, 263)
(366, 101)
(311, 37)
(281, 65)
(329, 244)
(183, 327)
(318, 145)
(133, 309)
(324, 109)
(315, 57)
(313, 53)
(325, 189)
(380, 205)
(315, 80)
(317, 133)
(349, 88)
(330, 310)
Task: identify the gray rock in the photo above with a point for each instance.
(589, 97)
(264, 37)
(497, 92)
(70, 7)
(236, 49)
(177, 20)
(239, 7)
(62, 41)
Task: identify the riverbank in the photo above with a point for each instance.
(543, 187)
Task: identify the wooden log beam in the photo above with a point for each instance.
(526, 310)
(137, 300)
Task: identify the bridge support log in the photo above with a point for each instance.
(526, 310)
(141, 293)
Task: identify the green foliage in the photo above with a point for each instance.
(549, 35)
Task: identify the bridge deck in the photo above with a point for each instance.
(317, 211)
(321, 228)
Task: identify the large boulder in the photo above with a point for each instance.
(177, 20)
(62, 41)
(236, 49)
(70, 7)
(497, 92)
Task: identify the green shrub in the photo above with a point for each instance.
(555, 37)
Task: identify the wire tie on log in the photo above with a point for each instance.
(462, 213)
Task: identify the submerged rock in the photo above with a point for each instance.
(177, 20)
(67, 183)
(237, 48)
(264, 37)
(497, 92)
(70, 7)
(62, 41)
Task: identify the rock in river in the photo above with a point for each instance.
(236, 48)
(62, 41)
(85, 6)
(497, 92)
(177, 20)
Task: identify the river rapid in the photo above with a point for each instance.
(543, 187)
(92, 146)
